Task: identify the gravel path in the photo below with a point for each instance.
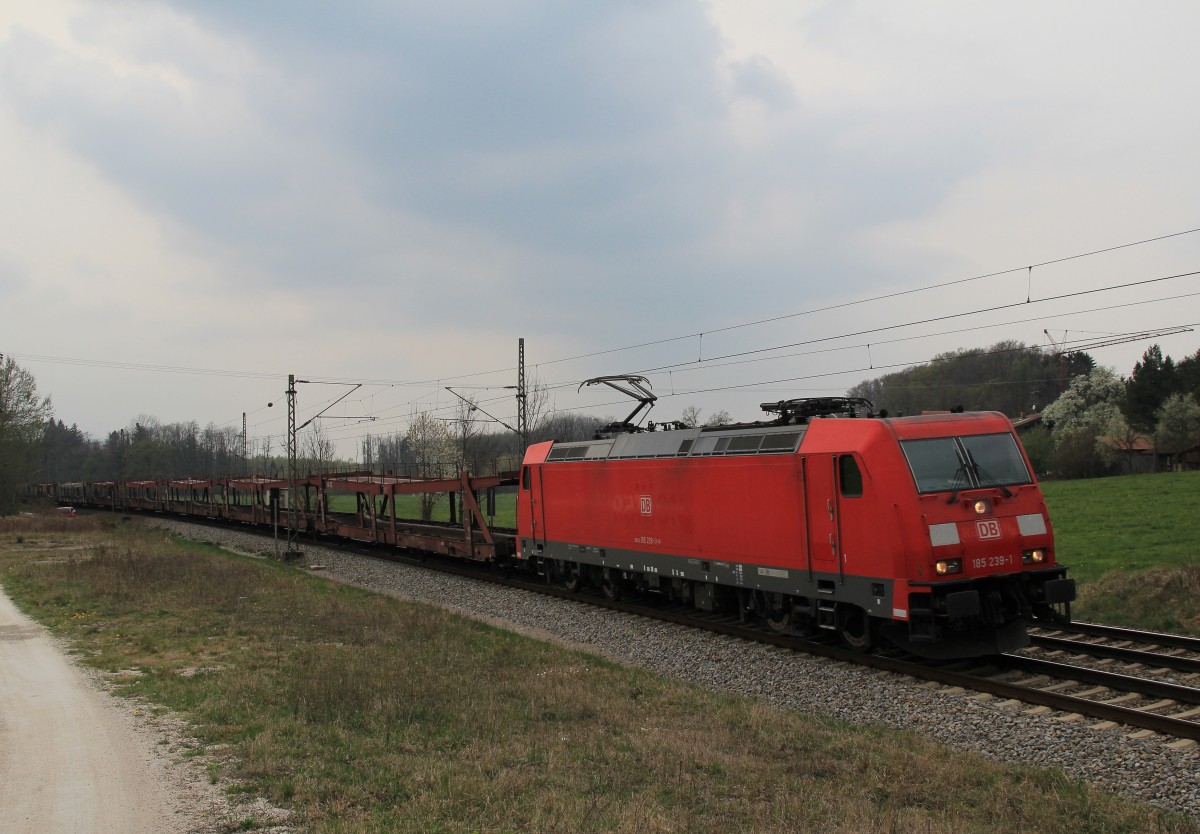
(69, 758)
(1145, 769)
(76, 760)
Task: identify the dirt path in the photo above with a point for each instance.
(74, 760)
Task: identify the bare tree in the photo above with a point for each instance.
(368, 453)
(262, 459)
(538, 409)
(467, 430)
(565, 426)
(385, 453)
(318, 448)
(690, 416)
(23, 419)
(719, 418)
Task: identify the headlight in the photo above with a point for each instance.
(948, 566)
(983, 506)
(1034, 557)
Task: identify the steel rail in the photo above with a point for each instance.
(1174, 641)
(1189, 665)
(1110, 680)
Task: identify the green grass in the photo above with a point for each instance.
(1133, 544)
(367, 714)
(1126, 523)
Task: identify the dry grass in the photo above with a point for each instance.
(51, 524)
(367, 714)
(1160, 599)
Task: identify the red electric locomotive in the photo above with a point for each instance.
(929, 531)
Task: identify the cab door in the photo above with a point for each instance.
(531, 512)
(821, 512)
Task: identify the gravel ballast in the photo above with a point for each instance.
(1146, 769)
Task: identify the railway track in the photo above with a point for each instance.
(1146, 705)
(1116, 633)
(1155, 651)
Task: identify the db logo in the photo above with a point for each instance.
(988, 529)
(645, 499)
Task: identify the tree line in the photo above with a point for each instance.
(37, 447)
(1010, 377)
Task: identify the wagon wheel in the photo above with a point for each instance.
(855, 627)
(572, 576)
(609, 584)
(778, 612)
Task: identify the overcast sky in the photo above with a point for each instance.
(394, 193)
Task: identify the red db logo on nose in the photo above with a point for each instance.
(988, 529)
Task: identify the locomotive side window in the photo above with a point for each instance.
(849, 477)
(780, 442)
(944, 464)
(525, 478)
(745, 443)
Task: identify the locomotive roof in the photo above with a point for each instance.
(697, 442)
(760, 438)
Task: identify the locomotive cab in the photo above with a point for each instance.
(986, 565)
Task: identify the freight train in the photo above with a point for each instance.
(925, 532)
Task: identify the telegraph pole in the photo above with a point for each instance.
(293, 548)
(293, 535)
(522, 427)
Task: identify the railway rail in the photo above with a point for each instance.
(1152, 659)
(1153, 638)
(1147, 706)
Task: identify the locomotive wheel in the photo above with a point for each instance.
(609, 585)
(856, 628)
(572, 576)
(778, 613)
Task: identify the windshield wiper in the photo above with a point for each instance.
(982, 475)
(961, 475)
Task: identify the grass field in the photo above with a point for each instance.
(367, 714)
(1133, 544)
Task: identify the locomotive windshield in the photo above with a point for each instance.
(942, 464)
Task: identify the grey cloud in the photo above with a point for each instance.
(589, 139)
(756, 77)
(14, 274)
